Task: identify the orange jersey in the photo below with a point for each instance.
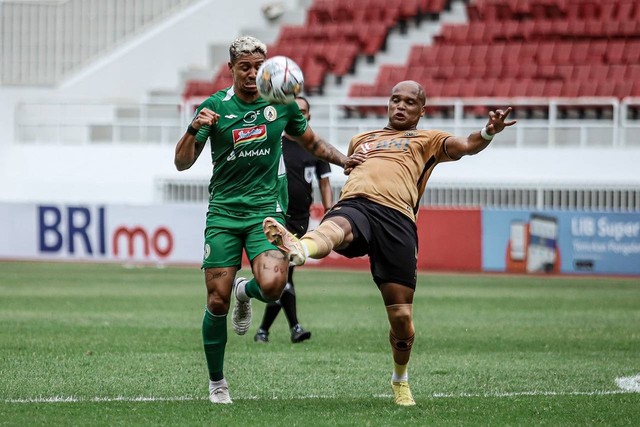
(397, 168)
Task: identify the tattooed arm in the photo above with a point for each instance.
(323, 150)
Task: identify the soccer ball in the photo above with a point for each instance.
(279, 80)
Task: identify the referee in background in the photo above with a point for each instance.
(301, 166)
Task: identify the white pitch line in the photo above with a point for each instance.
(629, 383)
(73, 399)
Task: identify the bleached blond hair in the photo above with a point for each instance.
(246, 45)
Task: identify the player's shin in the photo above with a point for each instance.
(401, 337)
(214, 337)
(320, 242)
(252, 290)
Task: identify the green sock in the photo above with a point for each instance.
(252, 290)
(214, 337)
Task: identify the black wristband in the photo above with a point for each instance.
(191, 130)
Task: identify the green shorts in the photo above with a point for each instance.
(227, 234)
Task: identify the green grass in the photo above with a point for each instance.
(490, 350)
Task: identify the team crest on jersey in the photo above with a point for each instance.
(270, 113)
(252, 134)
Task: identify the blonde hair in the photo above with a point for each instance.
(246, 45)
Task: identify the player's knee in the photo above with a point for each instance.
(271, 294)
(217, 304)
(401, 317)
(271, 286)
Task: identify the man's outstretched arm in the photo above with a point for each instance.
(456, 147)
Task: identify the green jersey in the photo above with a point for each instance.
(249, 175)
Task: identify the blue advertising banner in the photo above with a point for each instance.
(560, 241)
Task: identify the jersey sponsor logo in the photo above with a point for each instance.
(248, 153)
(410, 133)
(250, 117)
(254, 153)
(270, 113)
(252, 134)
(397, 144)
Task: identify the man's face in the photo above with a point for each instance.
(244, 72)
(304, 108)
(405, 107)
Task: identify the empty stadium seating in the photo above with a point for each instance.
(334, 34)
(508, 48)
(527, 48)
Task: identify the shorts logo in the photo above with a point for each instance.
(252, 134)
(270, 113)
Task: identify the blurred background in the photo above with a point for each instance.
(94, 95)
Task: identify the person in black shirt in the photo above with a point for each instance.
(301, 168)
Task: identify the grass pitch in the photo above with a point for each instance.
(106, 345)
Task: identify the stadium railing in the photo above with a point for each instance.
(538, 196)
(607, 122)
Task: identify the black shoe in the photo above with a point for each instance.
(261, 336)
(298, 334)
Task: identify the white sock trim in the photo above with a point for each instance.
(305, 249)
(214, 315)
(219, 383)
(241, 295)
(396, 378)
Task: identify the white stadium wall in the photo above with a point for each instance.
(128, 173)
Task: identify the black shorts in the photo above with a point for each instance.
(297, 226)
(389, 237)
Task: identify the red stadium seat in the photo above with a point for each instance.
(596, 72)
(543, 47)
(536, 88)
(614, 73)
(615, 52)
(623, 89)
(553, 88)
(571, 89)
(605, 88)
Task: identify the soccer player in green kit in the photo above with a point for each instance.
(248, 184)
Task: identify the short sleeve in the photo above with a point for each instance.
(204, 131)
(323, 169)
(297, 124)
(437, 139)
